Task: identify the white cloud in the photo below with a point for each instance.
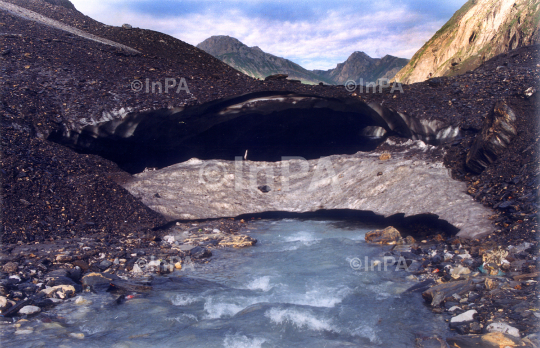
(317, 44)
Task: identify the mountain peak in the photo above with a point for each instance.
(221, 44)
(256, 63)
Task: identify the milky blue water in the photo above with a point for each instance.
(295, 288)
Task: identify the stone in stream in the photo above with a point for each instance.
(11, 311)
(29, 310)
(81, 301)
(422, 286)
(98, 281)
(387, 236)
(200, 253)
(78, 335)
(439, 293)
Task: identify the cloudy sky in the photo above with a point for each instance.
(316, 34)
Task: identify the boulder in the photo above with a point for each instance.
(127, 26)
(439, 293)
(387, 236)
(497, 132)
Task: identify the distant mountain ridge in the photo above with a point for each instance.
(478, 31)
(361, 66)
(256, 63)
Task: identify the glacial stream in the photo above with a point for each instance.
(295, 288)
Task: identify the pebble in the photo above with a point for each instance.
(24, 332)
(79, 335)
(29, 310)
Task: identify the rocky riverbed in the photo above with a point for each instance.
(47, 273)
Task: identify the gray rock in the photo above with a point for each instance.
(29, 310)
(127, 26)
(463, 318)
(504, 328)
(105, 264)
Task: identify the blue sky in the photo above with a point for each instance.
(316, 34)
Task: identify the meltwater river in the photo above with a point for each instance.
(295, 288)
